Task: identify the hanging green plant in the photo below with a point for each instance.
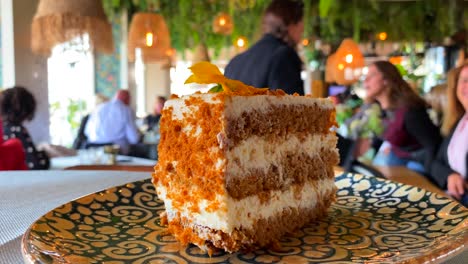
(190, 22)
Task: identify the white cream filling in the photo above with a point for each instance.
(179, 108)
(236, 105)
(245, 212)
(257, 153)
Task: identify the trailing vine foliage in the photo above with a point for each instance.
(190, 22)
(428, 20)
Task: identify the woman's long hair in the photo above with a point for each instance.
(279, 15)
(401, 94)
(454, 109)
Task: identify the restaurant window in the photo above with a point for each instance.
(71, 88)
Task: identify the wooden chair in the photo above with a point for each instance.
(12, 155)
(141, 168)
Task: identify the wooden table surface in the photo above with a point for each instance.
(404, 175)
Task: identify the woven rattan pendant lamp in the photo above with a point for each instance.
(223, 24)
(149, 33)
(59, 21)
(348, 62)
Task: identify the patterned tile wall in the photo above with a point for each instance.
(108, 66)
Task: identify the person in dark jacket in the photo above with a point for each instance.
(273, 62)
(450, 169)
(410, 137)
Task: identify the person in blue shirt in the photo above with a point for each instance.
(113, 122)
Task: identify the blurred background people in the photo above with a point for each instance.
(410, 137)
(437, 99)
(17, 105)
(273, 61)
(113, 122)
(450, 169)
(81, 139)
(152, 120)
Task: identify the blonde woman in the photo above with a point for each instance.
(450, 168)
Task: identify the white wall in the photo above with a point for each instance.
(7, 56)
(158, 83)
(30, 70)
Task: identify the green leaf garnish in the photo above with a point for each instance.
(216, 89)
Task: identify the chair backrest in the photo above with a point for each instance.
(141, 168)
(12, 156)
(346, 148)
(1, 131)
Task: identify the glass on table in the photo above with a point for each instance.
(92, 156)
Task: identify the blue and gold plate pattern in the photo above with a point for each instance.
(372, 221)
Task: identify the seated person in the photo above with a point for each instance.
(16, 106)
(11, 153)
(113, 122)
(152, 120)
(81, 140)
(450, 169)
(410, 137)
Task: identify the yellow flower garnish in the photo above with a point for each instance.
(207, 73)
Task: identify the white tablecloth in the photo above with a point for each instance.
(26, 196)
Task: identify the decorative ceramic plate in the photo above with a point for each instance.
(373, 220)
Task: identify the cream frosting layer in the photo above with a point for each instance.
(180, 109)
(245, 212)
(257, 153)
(236, 105)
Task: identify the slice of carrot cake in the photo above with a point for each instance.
(240, 167)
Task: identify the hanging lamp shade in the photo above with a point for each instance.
(348, 63)
(223, 24)
(59, 21)
(149, 33)
(241, 43)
